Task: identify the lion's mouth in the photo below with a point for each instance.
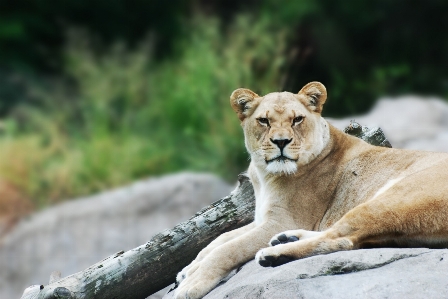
(281, 158)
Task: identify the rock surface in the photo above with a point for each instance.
(408, 122)
(74, 235)
(368, 273)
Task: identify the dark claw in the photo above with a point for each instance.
(267, 262)
(269, 258)
(293, 239)
(281, 260)
(270, 261)
(275, 242)
(264, 263)
(282, 238)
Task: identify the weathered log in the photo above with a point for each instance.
(374, 135)
(148, 268)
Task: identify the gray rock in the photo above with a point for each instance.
(368, 273)
(74, 235)
(408, 122)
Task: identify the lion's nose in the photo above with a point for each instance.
(281, 143)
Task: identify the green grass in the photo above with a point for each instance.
(131, 117)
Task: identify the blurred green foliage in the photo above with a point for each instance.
(359, 49)
(132, 117)
(95, 94)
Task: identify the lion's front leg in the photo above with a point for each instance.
(385, 219)
(204, 275)
(297, 244)
(217, 242)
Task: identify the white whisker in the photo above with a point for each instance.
(285, 167)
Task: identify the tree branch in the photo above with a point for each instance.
(144, 270)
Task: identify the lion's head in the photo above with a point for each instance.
(282, 130)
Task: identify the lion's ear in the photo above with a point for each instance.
(313, 95)
(242, 101)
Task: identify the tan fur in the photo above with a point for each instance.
(343, 193)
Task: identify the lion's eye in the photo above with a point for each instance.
(264, 121)
(297, 120)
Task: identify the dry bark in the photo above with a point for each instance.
(144, 270)
(148, 268)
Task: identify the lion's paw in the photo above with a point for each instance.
(282, 239)
(195, 287)
(187, 292)
(199, 279)
(186, 271)
(181, 276)
(271, 258)
(292, 236)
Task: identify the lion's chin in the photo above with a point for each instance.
(282, 167)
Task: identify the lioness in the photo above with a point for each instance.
(319, 190)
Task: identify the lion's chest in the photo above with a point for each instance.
(269, 204)
(261, 205)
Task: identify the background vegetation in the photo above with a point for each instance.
(96, 94)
